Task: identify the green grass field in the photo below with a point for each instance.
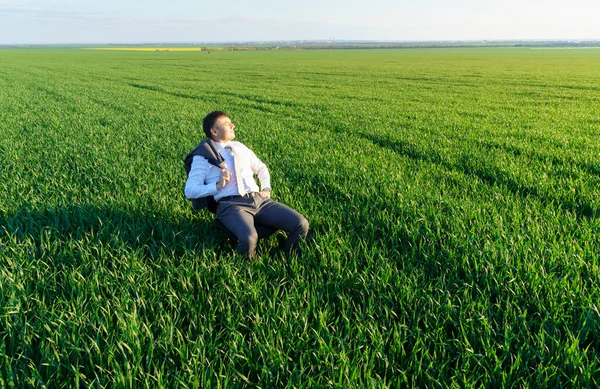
(453, 197)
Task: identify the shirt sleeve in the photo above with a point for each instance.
(260, 169)
(195, 185)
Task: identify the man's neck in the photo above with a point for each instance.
(221, 141)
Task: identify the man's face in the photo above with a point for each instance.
(223, 130)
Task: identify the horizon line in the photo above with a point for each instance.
(328, 41)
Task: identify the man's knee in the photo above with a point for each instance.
(303, 227)
(252, 239)
(247, 244)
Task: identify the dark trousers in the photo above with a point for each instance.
(242, 216)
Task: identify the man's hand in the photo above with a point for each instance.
(223, 179)
(265, 194)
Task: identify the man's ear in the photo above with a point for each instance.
(213, 131)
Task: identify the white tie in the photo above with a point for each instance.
(237, 171)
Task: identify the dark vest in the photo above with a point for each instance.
(208, 150)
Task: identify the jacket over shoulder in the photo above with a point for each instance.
(208, 150)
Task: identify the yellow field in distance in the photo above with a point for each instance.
(146, 48)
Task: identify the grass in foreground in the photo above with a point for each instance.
(452, 195)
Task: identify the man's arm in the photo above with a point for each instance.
(195, 186)
(260, 169)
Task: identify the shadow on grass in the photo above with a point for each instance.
(262, 100)
(490, 175)
(150, 232)
(593, 169)
(158, 89)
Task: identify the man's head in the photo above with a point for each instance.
(218, 126)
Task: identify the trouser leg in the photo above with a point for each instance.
(240, 221)
(276, 215)
(264, 231)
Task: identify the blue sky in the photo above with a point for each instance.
(137, 21)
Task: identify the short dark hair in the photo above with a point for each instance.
(209, 121)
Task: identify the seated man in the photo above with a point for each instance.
(241, 206)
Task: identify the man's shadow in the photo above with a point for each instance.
(150, 231)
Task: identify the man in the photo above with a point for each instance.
(242, 206)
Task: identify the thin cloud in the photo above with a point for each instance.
(53, 13)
